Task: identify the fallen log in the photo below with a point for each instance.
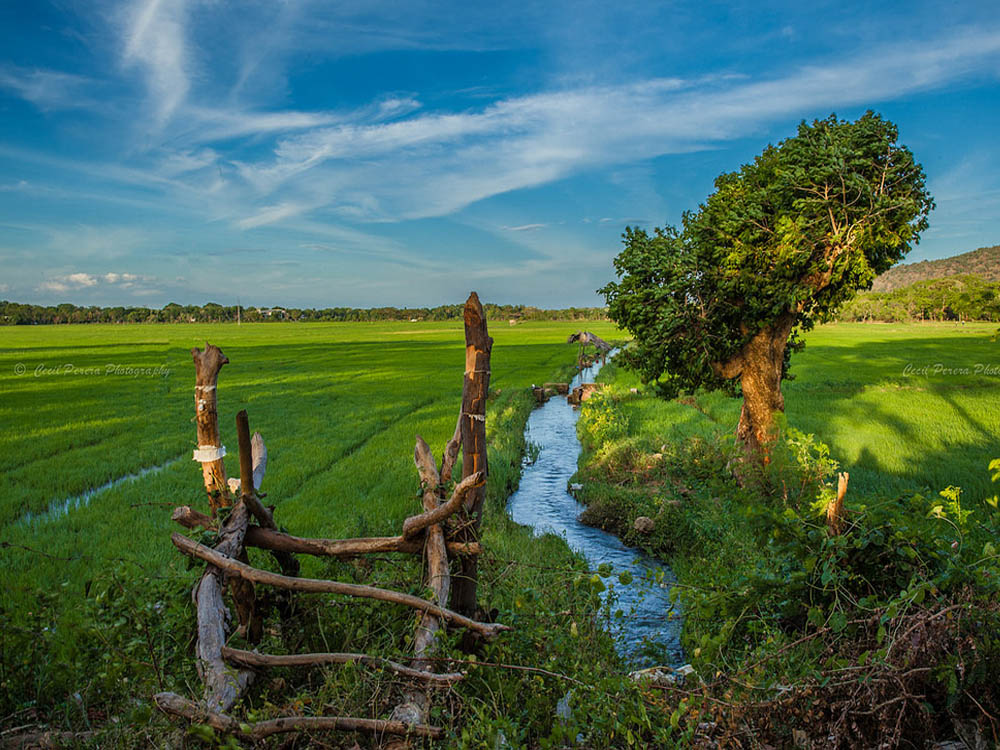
(175, 705)
(435, 515)
(319, 586)
(255, 660)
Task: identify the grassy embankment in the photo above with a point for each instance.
(96, 602)
(885, 632)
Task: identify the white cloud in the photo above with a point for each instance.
(47, 89)
(80, 280)
(526, 228)
(271, 214)
(433, 164)
(154, 38)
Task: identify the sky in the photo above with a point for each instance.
(342, 153)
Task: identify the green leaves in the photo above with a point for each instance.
(795, 232)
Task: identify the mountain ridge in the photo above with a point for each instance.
(983, 262)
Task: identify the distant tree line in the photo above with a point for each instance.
(14, 313)
(962, 298)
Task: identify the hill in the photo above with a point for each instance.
(984, 262)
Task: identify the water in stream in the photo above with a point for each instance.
(643, 633)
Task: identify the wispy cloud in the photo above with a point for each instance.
(47, 89)
(526, 228)
(155, 40)
(441, 162)
(271, 214)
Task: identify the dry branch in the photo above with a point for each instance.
(415, 524)
(451, 451)
(190, 518)
(345, 548)
(248, 478)
(175, 705)
(255, 660)
(415, 706)
(318, 586)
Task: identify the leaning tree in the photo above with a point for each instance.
(780, 244)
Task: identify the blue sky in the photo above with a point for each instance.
(402, 153)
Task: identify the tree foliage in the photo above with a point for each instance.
(962, 298)
(15, 313)
(780, 244)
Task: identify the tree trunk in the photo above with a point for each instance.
(475, 389)
(763, 358)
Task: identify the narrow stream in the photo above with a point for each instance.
(644, 634)
(59, 508)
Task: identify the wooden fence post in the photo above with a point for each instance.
(207, 364)
(475, 389)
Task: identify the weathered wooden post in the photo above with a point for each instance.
(835, 510)
(210, 450)
(475, 388)
(415, 706)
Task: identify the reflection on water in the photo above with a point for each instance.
(644, 634)
(59, 508)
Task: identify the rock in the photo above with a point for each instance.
(557, 387)
(575, 487)
(666, 676)
(589, 389)
(644, 524)
(540, 395)
(563, 711)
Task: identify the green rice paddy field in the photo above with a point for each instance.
(338, 405)
(901, 406)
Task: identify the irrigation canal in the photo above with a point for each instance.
(643, 633)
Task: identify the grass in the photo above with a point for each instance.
(769, 597)
(97, 602)
(338, 405)
(875, 394)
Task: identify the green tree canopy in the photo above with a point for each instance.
(780, 244)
